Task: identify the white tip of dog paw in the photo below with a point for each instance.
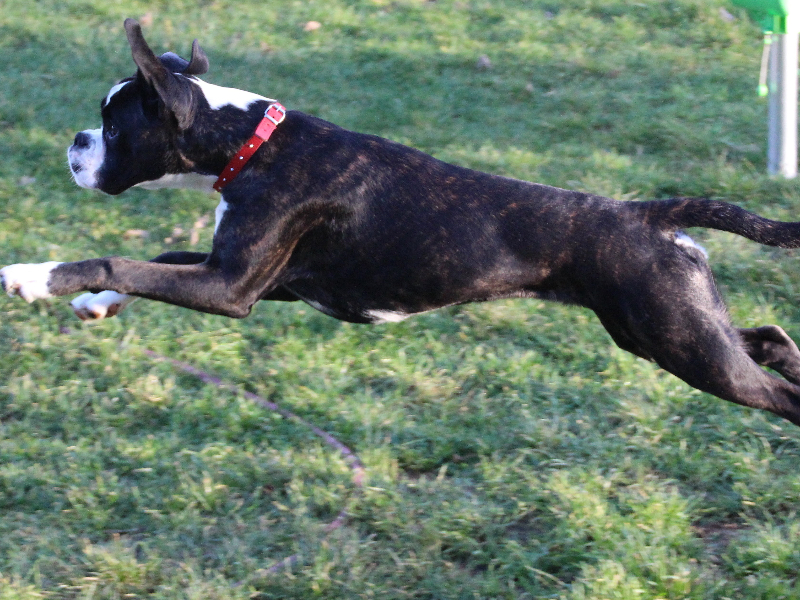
(92, 307)
(28, 281)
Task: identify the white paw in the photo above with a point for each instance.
(99, 306)
(29, 281)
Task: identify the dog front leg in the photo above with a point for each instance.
(200, 287)
(93, 307)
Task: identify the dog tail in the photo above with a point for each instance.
(715, 214)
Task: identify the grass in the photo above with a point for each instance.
(512, 451)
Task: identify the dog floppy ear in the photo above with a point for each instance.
(174, 93)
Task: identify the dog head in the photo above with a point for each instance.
(146, 135)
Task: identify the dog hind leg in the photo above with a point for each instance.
(731, 374)
(689, 335)
(772, 347)
(711, 357)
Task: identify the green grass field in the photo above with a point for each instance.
(511, 450)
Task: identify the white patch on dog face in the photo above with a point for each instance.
(85, 161)
(115, 89)
(90, 306)
(187, 181)
(681, 239)
(219, 213)
(218, 96)
(29, 281)
(386, 316)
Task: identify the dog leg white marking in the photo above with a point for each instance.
(28, 281)
(386, 316)
(218, 96)
(115, 89)
(186, 181)
(681, 239)
(219, 212)
(99, 306)
(85, 162)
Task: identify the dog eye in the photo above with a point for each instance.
(111, 132)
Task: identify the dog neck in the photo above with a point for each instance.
(226, 117)
(273, 116)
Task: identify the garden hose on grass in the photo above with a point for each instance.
(350, 457)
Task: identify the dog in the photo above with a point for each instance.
(368, 231)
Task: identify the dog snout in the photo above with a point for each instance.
(82, 140)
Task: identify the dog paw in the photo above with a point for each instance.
(91, 307)
(28, 281)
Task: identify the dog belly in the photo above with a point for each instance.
(364, 300)
(343, 306)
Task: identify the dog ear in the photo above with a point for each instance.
(174, 92)
(199, 63)
(197, 66)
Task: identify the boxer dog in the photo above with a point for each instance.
(367, 230)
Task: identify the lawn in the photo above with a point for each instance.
(510, 449)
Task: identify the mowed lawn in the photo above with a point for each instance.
(511, 450)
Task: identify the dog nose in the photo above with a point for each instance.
(82, 140)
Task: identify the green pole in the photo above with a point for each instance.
(782, 111)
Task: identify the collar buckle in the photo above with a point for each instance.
(278, 118)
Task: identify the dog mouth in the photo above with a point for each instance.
(81, 174)
(85, 157)
(74, 160)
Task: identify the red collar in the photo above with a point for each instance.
(273, 116)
